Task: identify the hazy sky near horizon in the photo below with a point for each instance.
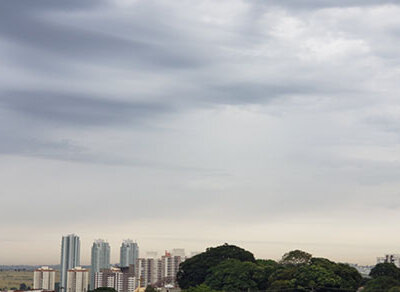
(269, 124)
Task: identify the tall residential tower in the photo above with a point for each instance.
(129, 253)
(70, 257)
(100, 258)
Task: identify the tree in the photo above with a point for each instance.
(286, 285)
(104, 289)
(382, 283)
(234, 275)
(194, 271)
(23, 286)
(385, 269)
(150, 289)
(296, 257)
(350, 277)
(316, 277)
(200, 288)
(268, 267)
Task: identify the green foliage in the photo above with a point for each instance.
(23, 286)
(382, 283)
(319, 274)
(283, 285)
(350, 277)
(296, 257)
(150, 289)
(229, 268)
(314, 276)
(200, 288)
(385, 277)
(268, 267)
(104, 289)
(385, 269)
(194, 271)
(234, 275)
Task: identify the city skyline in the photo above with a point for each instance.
(272, 125)
(115, 253)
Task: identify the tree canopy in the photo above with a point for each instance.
(230, 268)
(385, 277)
(296, 257)
(104, 289)
(193, 271)
(385, 269)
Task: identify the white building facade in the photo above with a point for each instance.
(44, 278)
(78, 280)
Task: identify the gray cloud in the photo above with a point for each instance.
(61, 108)
(235, 112)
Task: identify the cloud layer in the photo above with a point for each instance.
(254, 114)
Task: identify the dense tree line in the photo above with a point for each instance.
(231, 268)
(384, 277)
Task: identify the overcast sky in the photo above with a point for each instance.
(269, 124)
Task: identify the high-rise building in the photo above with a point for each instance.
(121, 279)
(170, 267)
(44, 278)
(100, 258)
(70, 257)
(129, 253)
(77, 280)
(148, 271)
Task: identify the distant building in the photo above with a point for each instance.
(129, 253)
(70, 257)
(44, 278)
(169, 267)
(121, 279)
(152, 254)
(180, 252)
(148, 271)
(78, 280)
(159, 272)
(363, 270)
(390, 258)
(100, 259)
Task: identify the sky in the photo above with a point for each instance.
(273, 125)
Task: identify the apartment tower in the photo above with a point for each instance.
(100, 259)
(129, 253)
(44, 279)
(70, 257)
